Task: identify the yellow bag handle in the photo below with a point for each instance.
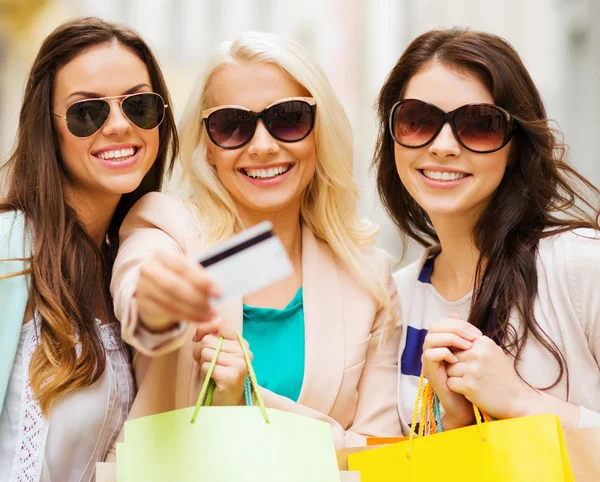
(424, 407)
(253, 381)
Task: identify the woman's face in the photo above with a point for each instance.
(265, 176)
(114, 160)
(473, 177)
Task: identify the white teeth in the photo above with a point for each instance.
(443, 176)
(267, 173)
(117, 154)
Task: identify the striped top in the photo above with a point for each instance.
(567, 309)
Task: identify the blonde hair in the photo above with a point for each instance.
(329, 203)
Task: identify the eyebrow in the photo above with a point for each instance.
(91, 95)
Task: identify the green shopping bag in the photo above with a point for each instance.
(226, 444)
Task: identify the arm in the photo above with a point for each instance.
(151, 275)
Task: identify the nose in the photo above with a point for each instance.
(445, 144)
(262, 142)
(117, 123)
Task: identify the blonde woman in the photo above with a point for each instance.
(264, 138)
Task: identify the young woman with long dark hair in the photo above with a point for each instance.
(503, 309)
(95, 134)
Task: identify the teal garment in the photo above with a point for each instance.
(276, 339)
(15, 245)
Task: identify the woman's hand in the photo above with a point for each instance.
(173, 288)
(443, 339)
(230, 371)
(487, 378)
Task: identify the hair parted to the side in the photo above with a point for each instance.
(67, 267)
(329, 204)
(539, 196)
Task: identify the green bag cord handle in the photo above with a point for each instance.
(208, 386)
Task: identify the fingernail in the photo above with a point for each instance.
(474, 331)
(214, 292)
(194, 339)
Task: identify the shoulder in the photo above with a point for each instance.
(576, 249)
(11, 220)
(157, 210)
(407, 277)
(12, 231)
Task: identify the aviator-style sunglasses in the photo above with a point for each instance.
(287, 120)
(85, 117)
(481, 128)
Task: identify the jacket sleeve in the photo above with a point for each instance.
(155, 223)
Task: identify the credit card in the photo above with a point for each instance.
(247, 262)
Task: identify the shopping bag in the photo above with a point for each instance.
(514, 450)
(584, 451)
(225, 444)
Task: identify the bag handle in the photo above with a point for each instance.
(251, 384)
(427, 406)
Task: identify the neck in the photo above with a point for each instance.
(456, 264)
(286, 226)
(94, 212)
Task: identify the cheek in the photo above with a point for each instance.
(404, 159)
(72, 150)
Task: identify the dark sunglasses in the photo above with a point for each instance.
(481, 128)
(85, 117)
(287, 120)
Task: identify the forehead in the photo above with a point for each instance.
(252, 85)
(109, 69)
(447, 88)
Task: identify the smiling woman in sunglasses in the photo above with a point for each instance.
(264, 138)
(503, 308)
(94, 135)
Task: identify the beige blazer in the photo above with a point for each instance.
(348, 381)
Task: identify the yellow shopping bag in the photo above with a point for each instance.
(226, 444)
(522, 449)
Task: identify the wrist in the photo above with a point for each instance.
(531, 402)
(450, 423)
(157, 327)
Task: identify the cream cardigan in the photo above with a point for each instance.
(567, 308)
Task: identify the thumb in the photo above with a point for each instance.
(455, 315)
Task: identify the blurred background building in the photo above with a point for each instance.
(356, 41)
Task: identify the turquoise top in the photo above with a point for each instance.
(276, 339)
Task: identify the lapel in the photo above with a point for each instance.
(324, 353)
(14, 292)
(323, 325)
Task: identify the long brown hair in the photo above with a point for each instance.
(67, 265)
(539, 195)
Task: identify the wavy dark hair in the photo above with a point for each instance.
(67, 267)
(540, 194)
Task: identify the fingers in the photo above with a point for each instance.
(457, 370)
(458, 327)
(189, 270)
(438, 355)
(205, 351)
(174, 288)
(216, 326)
(436, 340)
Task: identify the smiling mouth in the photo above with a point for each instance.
(443, 176)
(269, 173)
(118, 155)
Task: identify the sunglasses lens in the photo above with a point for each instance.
(230, 128)
(415, 123)
(481, 128)
(290, 121)
(145, 110)
(86, 117)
